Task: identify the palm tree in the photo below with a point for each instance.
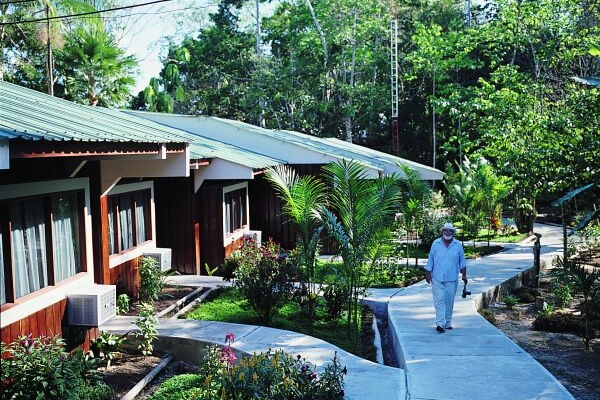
(302, 197)
(360, 209)
(95, 70)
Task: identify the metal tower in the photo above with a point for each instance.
(394, 82)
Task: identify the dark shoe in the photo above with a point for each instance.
(449, 328)
(440, 329)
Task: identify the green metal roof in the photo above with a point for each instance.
(207, 148)
(303, 140)
(31, 115)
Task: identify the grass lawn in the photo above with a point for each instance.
(229, 305)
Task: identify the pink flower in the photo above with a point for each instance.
(229, 338)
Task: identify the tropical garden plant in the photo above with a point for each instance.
(265, 276)
(302, 198)
(360, 209)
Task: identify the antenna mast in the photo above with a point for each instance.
(394, 80)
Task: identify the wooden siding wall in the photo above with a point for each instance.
(175, 219)
(210, 206)
(51, 321)
(127, 278)
(266, 214)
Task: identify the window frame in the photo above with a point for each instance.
(54, 290)
(138, 250)
(230, 231)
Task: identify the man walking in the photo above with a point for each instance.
(446, 260)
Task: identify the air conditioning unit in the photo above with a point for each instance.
(92, 305)
(255, 236)
(162, 257)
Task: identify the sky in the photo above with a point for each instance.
(151, 28)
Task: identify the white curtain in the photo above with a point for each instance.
(111, 229)
(125, 223)
(140, 217)
(28, 246)
(65, 236)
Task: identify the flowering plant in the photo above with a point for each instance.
(39, 368)
(264, 275)
(272, 375)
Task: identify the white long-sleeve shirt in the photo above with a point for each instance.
(445, 263)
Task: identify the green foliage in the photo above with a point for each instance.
(265, 276)
(106, 345)
(123, 305)
(147, 332)
(547, 309)
(510, 301)
(96, 390)
(228, 305)
(94, 70)
(361, 209)
(302, 197)
(40, 368)
(152, 280)
(179, 387)
(561, 295)
(210, 271)
(271, 375)
(571, 274)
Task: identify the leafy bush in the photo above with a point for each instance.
(39, 368)
(525, 294)
(510, 301)
(123, 304)
(264, 275)
(150, 280)
(106, 345)
(97, 390)
(561, 294)
(146, 322)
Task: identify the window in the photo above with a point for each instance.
(235, 209)
(45, 241)
(128, 220)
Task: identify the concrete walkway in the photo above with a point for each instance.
(473, 361)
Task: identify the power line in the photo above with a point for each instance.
(80, 14)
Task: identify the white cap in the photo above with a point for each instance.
(448, 225)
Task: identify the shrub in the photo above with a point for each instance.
(264, 275)
(150, 280)
(510, 301)
(123, 304)
(561, 295)
(94, 391)
(146, 322)
(106, 345)
(525, 294)
(39, 368)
